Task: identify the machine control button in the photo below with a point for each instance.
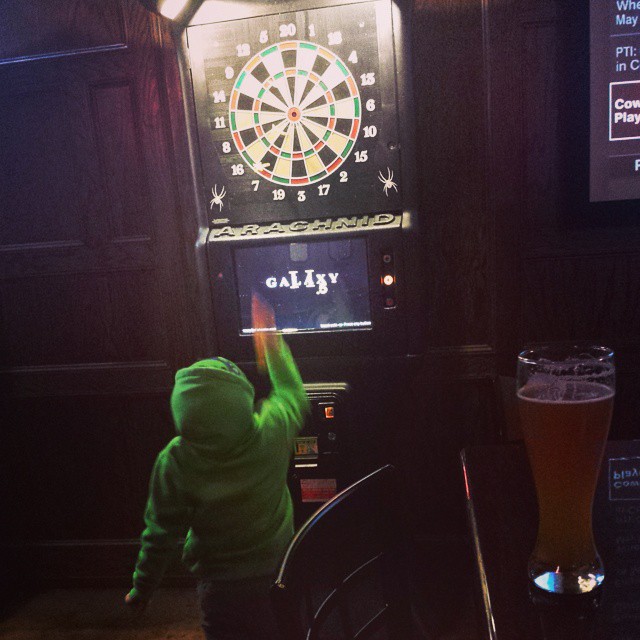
(388, 280)
(326, 411)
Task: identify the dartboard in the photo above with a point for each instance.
(277, 107)
(296, 114)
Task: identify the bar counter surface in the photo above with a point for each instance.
(503, 518)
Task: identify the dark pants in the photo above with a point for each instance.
(238, 609)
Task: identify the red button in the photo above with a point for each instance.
(329, 413)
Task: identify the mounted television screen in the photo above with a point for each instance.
(312, 286)
(615, 100)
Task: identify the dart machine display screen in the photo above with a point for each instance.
(315, 286)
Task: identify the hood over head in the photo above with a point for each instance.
(212, 404)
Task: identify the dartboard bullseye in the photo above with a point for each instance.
(295, 112)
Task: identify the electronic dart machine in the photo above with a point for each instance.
(302, 140)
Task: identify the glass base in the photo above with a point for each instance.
(573, 580)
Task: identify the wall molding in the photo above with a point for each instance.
(104, 378)
(120, 46)
(78, 563)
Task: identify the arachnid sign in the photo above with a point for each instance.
(296, 114)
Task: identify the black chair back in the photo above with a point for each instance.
(345, 575)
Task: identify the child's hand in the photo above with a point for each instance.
(135, 603)
(263, 317)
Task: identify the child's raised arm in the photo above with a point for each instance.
(264, 326)
(288, 400)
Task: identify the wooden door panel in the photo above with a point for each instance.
(36, 133)
(83, 318)
(81, 469)
(115, 120)
(94, 267)
(91, 246)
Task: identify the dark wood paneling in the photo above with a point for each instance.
(443, 418)
(45, 28)
(119, 145)
(95, 379)
(93, 268)
(82, 466)
(93, 256)
(561, 276)
(37, 258)
(82, 564)
(539, 120)
(35, 135)
(564, 271)
(83, 318)
(510, 260)
(451, 110)
(584, 297)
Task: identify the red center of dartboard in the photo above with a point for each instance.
(294, 114)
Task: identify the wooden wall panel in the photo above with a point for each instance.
(443, 417)
(93, 261)
(43, 28)
(37, 190)
(80, 318)
(89, 466)
(585, 298)
(119, 148)
(136, 330)
(447, 46)
(56, 307)
(573, 272)
(93, 251)
(538, 117)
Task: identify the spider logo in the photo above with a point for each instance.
(217, 197)
(387, 181)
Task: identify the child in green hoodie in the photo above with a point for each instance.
(222, 483)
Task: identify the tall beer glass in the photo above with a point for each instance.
(565, 397)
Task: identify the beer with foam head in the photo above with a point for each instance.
(565, 413)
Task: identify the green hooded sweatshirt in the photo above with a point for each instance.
(222, 480)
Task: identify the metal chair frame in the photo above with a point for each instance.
(359, 535)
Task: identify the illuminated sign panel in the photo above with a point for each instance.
(615, 100)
